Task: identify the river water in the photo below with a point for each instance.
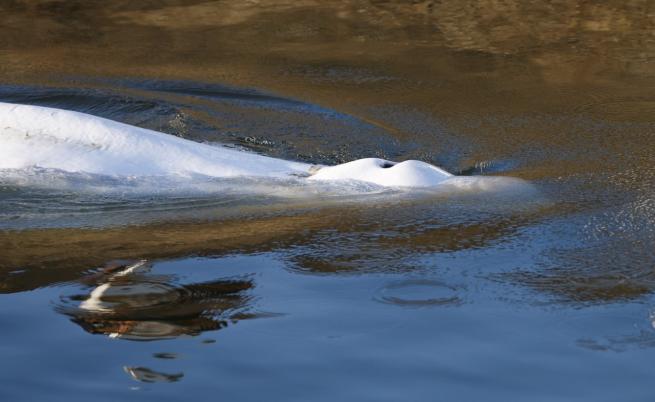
(212, 289)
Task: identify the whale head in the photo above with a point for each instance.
(382, 172)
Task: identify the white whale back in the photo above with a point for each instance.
(34, 136)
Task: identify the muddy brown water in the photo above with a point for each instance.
(339, 298)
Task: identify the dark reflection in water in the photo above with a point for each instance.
(165, 355)
(127, 303)
(144, 374)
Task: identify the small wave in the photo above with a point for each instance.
(419, 293)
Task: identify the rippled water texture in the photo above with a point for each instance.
(145, 289)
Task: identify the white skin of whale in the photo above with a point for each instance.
(34, 136)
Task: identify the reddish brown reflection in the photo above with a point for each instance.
(128, 302)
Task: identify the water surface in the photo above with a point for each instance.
(357, 293)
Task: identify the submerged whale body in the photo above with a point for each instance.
(34, 136)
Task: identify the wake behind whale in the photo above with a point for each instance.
(39, 142)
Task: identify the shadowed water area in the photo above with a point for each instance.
(118, 289)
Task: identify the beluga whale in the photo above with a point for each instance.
(69, 141)
(35, 136)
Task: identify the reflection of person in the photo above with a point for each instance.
(128, 303)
